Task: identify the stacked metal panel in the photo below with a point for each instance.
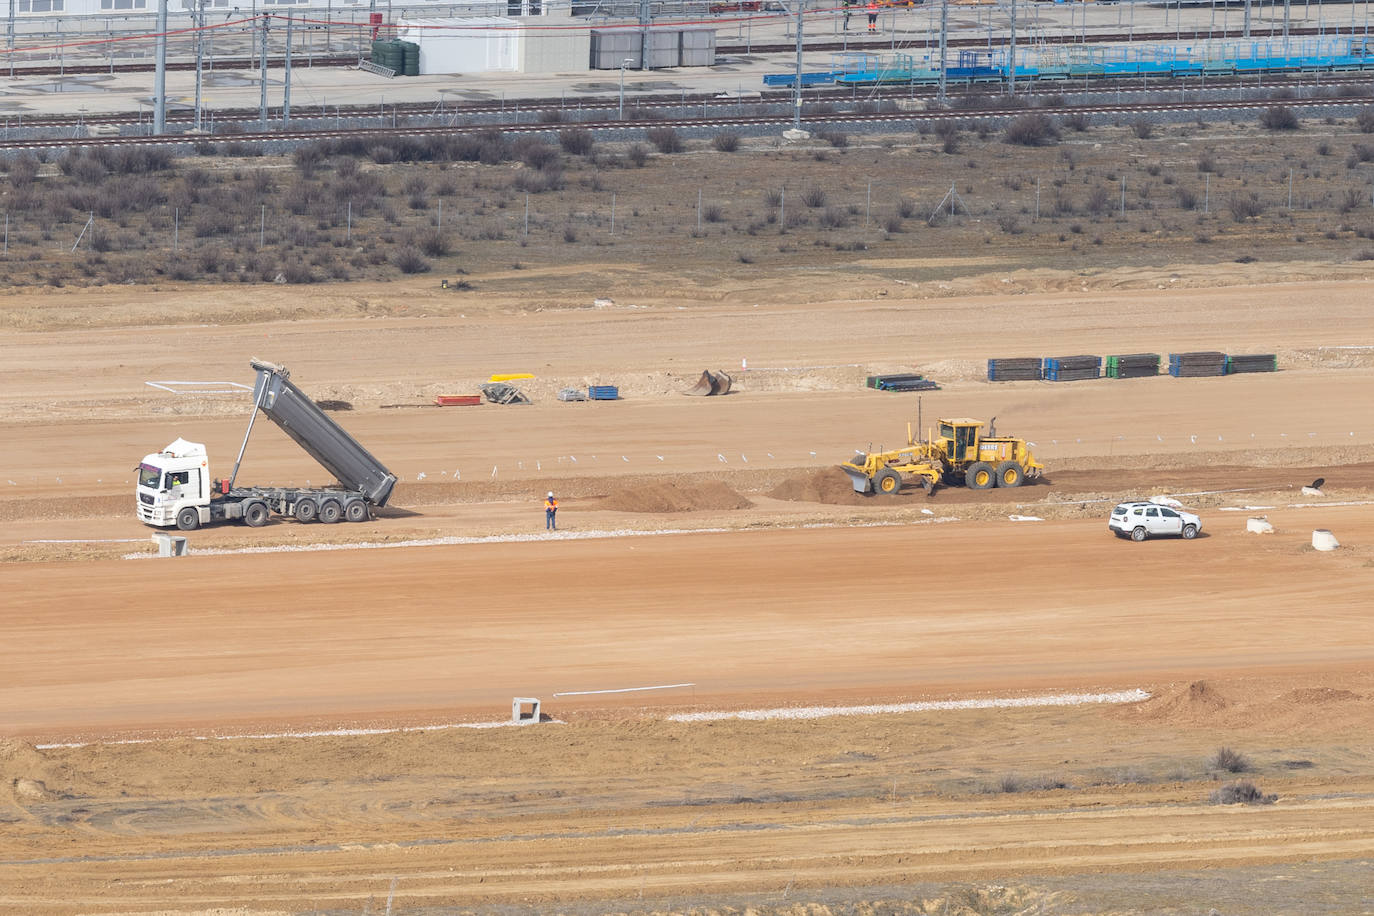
(1197, 364)
(908, 382)
(603, 392)
(1072, 368)
(1257, 362)
(1016, 369)
(1133, 365)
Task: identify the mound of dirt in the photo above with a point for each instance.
(675, 497)
(22, 771)
(828, 485)
(1199, 701)
(1307, 696)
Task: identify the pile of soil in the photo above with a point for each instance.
(670, 496)
(1196, 703)
(828, 485)
(22, 772)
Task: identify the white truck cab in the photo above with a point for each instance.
(173, 482)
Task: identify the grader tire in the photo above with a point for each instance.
(887, 481)
(1010, 474)
(980, 476)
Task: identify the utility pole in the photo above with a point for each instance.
(198, 17)
(1011, 54)
(1247, 18)
(11, 37)
(262, 73)
(645, 22)
(796, 111)
(944, 32)
(286, 80)
(159, 70)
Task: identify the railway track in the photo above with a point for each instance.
(829, 119)
(545, 107)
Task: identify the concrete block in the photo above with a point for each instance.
(170, 545)
(1259, 525)
(1322, 539)
(524, 709)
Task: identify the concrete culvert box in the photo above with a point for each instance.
(524, 709)
(1323, 539)
(1259, 525)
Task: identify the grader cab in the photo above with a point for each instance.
(955, 453)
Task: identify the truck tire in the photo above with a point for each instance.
(1139, 534)
(188, 519)
(306, 510)
(255, 514)
(355, 510)
(980, 476)
(887, 481)
(330, 511)
(1010, 474)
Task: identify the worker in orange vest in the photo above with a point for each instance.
(550, 513)
(872, 15)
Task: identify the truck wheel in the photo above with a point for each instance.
(255, 514)
(1138, 534)
(980, 476)
(887, 481)
(188, 519)
(355, 510)
(330, 511)
(1010, 474)
(306, 510)
(1189, 532)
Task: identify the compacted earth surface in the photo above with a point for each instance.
(759, 690)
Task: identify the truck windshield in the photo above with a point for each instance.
(148, 476)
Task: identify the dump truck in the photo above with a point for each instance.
(174, 486)
(958, 454)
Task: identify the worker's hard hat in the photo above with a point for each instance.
(550, 494)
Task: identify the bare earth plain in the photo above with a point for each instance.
(706, 548)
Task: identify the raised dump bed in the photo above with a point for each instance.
(1132, 365)
(1015, 369)
(1197, 364)
(1072, 368)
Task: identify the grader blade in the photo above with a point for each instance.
(861, 481)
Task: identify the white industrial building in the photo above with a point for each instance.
(543, 44)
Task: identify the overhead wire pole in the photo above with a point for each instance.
(11, 37)
(198, 17)
(159, 71)
(797, 107)
(645, 23)
(262, 72)
(1011, 54)
(286, 78)
(944, 29)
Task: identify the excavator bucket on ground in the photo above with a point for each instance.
(710, 383)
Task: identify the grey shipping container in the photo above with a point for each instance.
(612, 47)
(698, 47)
(665, 48)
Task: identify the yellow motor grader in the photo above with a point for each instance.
(959, 454)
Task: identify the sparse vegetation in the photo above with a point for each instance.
(1032, 129)
(1242, 792)
(1229, 760)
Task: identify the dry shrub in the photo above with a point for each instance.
(1232, 761)
(1243, 792)
(1033, 129)
(576, 142)
(1279, 117)
(665, 139)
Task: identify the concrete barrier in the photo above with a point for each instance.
(1322, 539)
(1259, 525)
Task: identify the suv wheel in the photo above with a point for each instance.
(1189, 532)
(1138, 534)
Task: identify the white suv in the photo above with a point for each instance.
(1139, 521)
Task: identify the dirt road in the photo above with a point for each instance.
(767, 599)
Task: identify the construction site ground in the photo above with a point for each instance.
(707, 547)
